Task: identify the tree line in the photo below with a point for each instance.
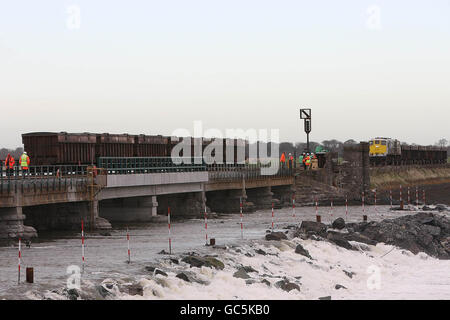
(15, 153)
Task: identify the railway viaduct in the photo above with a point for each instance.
(46, 201)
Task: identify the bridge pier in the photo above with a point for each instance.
(228, 201)
(132, 209)
(64, 216)
(261, 197)
(189, 204)
(12, 226)
(283, 195)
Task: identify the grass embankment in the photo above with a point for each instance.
(381, 178)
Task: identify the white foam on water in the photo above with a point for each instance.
(403, 275)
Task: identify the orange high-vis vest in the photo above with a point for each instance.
(283, 158)
(9, 162)
(308, 160)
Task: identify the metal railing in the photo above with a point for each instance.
(222, 172)
(136, 165)
(42, 178)
(43, 171)
(113, 165)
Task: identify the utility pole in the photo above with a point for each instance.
(305, 114)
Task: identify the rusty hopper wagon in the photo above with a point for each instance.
(49, 148)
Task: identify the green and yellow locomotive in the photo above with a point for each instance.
(387, 151)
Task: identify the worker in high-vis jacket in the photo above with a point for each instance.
(308, 161)
(291, 161)
(24, 163)
(9, 165)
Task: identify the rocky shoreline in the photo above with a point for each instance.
(427, 232)
(423, 232)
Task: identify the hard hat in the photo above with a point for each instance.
(25, 152)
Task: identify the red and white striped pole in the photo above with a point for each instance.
(375, 199)
(293, 206)
(128, 244)
(170, 238)
(331, 211)
(242, 224)
(317, 208)
(363, 207)
(417, 196)
(409, 199)
(346, 207)
(206, 226)
(82, 244)
(20, 255)
(390, 196)
(272, 216)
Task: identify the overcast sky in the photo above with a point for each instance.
(365, 68)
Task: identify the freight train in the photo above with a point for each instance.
(62, 148)
(387, 151)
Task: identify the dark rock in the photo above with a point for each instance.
(72, 294)
(190, 276)
(109, 286)
(104, 292)
(209, 262)
(135, 289)
(349, 274)
(155, 270)
(175, 261)
(150, 268)
(300, 250)
(262, 252)
(325, 298)
(266, 282)
(339, 240)
(163, 252)
(158, 271)
(434, 231)
(248, 269)
(183, 276)
(339, 224)
(286, 285)
(316, 228)
(338, 286)
(422, 232)
(359, 238)
(241, 274)
(277, 236)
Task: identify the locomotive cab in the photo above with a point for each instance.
(384, 151)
